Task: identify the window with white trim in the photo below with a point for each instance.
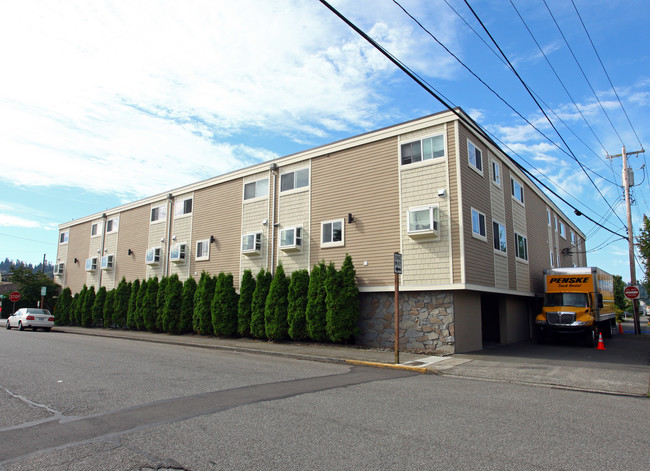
(475, 156)
(552, 258)
(58, 269)
(499, 235)
(294, 180)
(178, 253)
(496, 173)
(521, 247)
(332, 233)
(478, 224)
(183, 207)
(291, 238)
(573, 238)
(159, 213)
(107, 262)
(422, 150)
(256, 189)
(96, 229)
(63, 237)
(251, 243)
(548, 217)
(517, 190)
(562, 230)
(202, 250)
(152, 257)
(112, 225)
(91, 264)
(423, 221)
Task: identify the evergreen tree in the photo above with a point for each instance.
(87, 311)
(149, 309)
(202, 304)
(172, 309)
(131, 312)
(121, 303)
(139, 300)
(643, 242)
(98, 307)
(199, 296)
(620, 301)
(298, 296)
(73, 308)
(245, 303)
(259, 302)
(109, 308)
(275, 309)
(79, 305)
(342, 301)
(316, 312)
(224, 306)
(62, 307)
(187, 306)
(160, 302)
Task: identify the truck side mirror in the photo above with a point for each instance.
(600, 300)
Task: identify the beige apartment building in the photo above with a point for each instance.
(475, 233)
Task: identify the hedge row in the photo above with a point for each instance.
(321, 306)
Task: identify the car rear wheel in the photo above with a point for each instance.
(8, 325)
(34, 329)
(47, 329)
(20, 326)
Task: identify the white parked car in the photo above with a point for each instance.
(31, 317)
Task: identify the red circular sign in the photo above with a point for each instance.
(14, 297)
(631, 292)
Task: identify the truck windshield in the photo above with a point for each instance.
(565, 299)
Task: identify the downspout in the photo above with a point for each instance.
(273, 169)
(101, 251)
(166, 245)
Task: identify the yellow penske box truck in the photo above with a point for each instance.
(578, 301)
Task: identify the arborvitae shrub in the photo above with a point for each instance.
(202, 304)
(245, 304)
(79, 305)
(187, 306)
(87, 311)
(98, 307)
(73, 308)
(316, 312)
(172, 309)
(298, 296)
(139, 301)
(149, 310)
(160, 302)
(224, 306)
(259, 301)
(109, 308)
(275, 309)
(121, 305)
(62, 307)
(342, 300)
(131, 312)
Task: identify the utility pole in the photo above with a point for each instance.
(630, 232)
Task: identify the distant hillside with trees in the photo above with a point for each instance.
(6, 267)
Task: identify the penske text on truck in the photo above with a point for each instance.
(578, 301)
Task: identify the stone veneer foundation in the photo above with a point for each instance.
(427, 321)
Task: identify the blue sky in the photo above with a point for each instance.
(105, 102)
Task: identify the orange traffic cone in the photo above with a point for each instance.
(601, 344)
(620, 328)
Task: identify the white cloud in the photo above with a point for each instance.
(9, 220)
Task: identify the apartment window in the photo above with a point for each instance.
(58, 268)
(112, 225)
(159, 213)
(478, 224)
(562, 230)
(203, 250)
(183, 207)
(291, 238)
(517, 190)
(251, 243)
(573, 239)
(475, 156)
(548, 217)
(107, 262)
(552, 258)
(293, 180)
(256, 189)
(332, 233)
(178, 252)
(152, 257)
(91, 264)
(63, 237)
(423, 221)
(521, 247)
(499, 235)
(496, 173)
(555, 218)
(425, 149)
(96, 229)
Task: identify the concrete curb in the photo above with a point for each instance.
(393, 366)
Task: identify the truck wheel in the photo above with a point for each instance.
(591, 337)
(608, 328)
(541, 338)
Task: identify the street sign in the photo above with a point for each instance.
(43, 290)
(14, 297)
(397, 263)
(631, 292)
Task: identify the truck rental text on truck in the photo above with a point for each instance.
(578, 301)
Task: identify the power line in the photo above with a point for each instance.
(25, 238)
(461, 117)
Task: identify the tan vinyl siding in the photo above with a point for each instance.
(454, 209)
(510, 231)
(293, 210)
(362, 181)
(479, 254)
(254, 213)
(497, 198)
(181, 233)
(158, 237)
(217, 212)
(78, 243)
(538, 248)
(133, 231)
(109, 277)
